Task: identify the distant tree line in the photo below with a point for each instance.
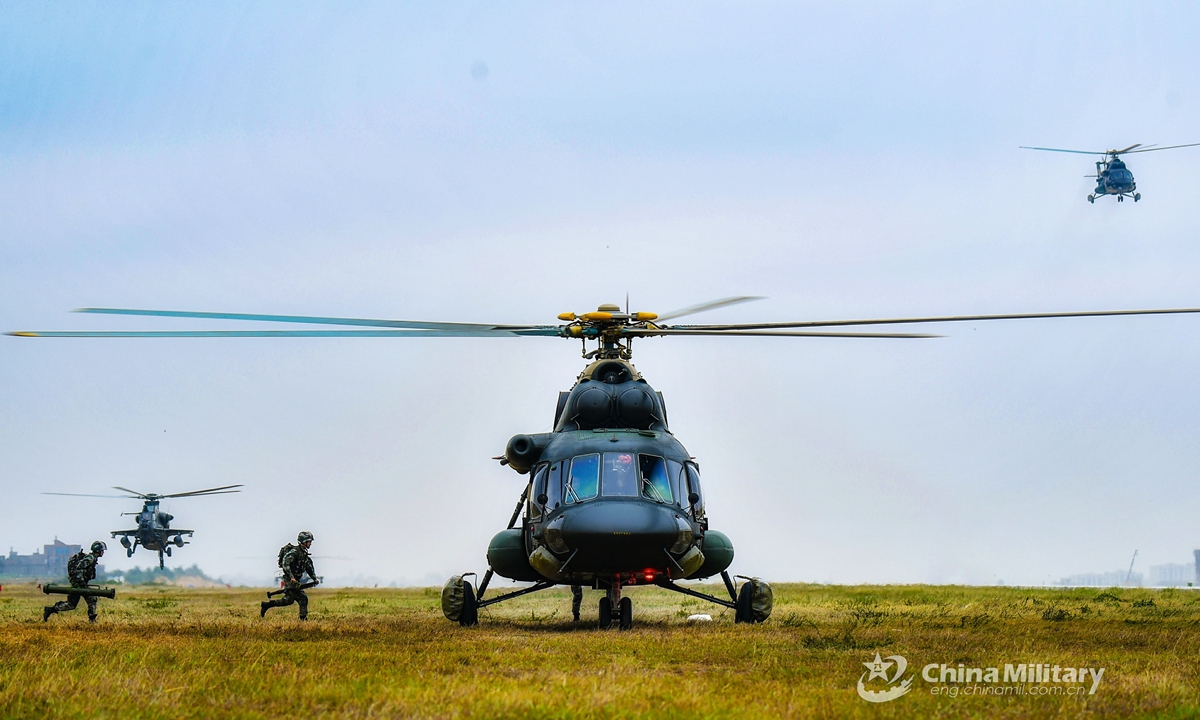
(151, 575)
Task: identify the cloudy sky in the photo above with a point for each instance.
(474, 162)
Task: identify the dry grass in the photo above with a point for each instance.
(389, 653)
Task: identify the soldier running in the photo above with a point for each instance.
(295, 562)
(81, 569)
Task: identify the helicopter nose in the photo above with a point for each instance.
(620, 536)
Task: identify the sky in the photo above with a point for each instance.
(505, 163)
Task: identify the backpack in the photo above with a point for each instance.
(284, 551)
(73, 564)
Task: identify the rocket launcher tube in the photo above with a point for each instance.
(87, 591)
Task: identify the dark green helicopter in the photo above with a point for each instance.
(613, 500)
(154, 531)
(1112, 176)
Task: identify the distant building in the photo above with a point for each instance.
(51, 563)
(1171, 575)
(1196, 553)
(1116, 578)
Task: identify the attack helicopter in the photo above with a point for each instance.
(1112, 175)
(613, 500)
(154, 531)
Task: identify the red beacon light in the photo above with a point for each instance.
(648, 573)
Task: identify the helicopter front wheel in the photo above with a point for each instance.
(626, 613)
(605, 613)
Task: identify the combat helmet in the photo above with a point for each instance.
(304, 536)
(98, 547)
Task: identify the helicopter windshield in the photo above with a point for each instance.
(584, 478)
(620, 475)
(655, 482)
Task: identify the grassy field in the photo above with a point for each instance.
(169, 652)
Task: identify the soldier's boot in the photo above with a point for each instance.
(91, 618)
(47, 612)
(576, 601)
(266, 605)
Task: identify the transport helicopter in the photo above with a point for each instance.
(154, 531)
(613, 499)
(1112, 175)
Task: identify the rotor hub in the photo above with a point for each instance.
(608, 326)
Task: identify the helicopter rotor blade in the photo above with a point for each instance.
(706, 306)
(131, 492)
(939, 319)
(206, 494)
(1081, 152)
(1128, 149)
(766, 333)
(210, 491)
(315, 320)
(547, 331)
(1169, 147)
(122, 497)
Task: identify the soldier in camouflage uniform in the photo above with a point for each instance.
(576, 601)
(81, 570)
(295, 562)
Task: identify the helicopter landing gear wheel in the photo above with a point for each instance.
(755, 600)
(128, 552)
(1092, 199)
(605, 613)
(743, 612)
(626, 613)
(1120, 198)
(1137, 196)
(470, 608)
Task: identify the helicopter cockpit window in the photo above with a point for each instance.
(554, 485)
(656, 484)
(584, 479)
(620, 475)
(693, 476)
(678, 478)
(539, 489)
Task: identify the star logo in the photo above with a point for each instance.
(878, 670)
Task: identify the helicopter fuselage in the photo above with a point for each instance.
(613, 497)
(1113, 177)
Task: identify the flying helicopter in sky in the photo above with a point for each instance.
(613, 499)
(1112, 175)
(154, 531)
